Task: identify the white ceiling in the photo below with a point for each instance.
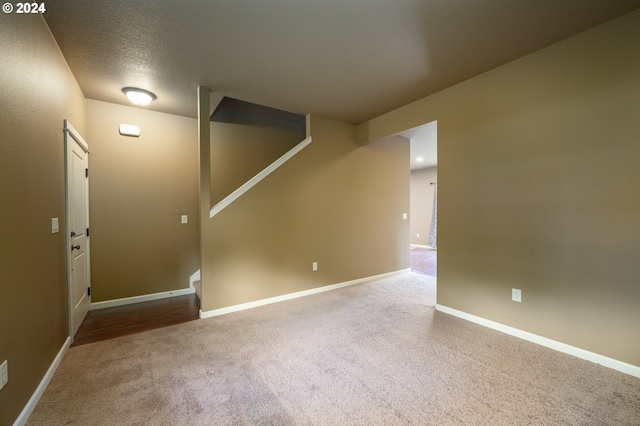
(423, 145)
(348, 60)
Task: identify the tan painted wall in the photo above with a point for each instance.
(37, 91)
(241, 151)
(139, 188)
(538, 165)
(421, 192)
(334, 203)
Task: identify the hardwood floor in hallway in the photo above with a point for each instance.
(109, 323)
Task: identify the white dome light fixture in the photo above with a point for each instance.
(139, 96)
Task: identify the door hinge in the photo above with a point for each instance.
(87, 232)
(86, 172)
(88, 291)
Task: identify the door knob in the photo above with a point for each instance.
(75, 247)
(73, 234)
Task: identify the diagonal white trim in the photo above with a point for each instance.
(33, 401)
(623, 367)
(262, 302)
(143, 298)
(257, 178)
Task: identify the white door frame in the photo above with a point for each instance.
(70, 131)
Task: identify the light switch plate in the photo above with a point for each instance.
(404, 216)
(55, 225)
(516, 295)
(184, 218)
(314, 266)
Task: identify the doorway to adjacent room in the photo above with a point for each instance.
(423, 197)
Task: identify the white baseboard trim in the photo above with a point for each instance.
(33, 401)
(143, 298)
(276, 299)
(623, 367)
(422, 246)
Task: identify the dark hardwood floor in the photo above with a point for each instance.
(108, 323)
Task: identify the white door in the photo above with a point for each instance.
(78, 227)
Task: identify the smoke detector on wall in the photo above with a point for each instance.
(129, 130)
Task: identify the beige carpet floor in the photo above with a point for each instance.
(370, 354)
(424, 261)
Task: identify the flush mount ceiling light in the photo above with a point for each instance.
(419, 159)
(139, 96)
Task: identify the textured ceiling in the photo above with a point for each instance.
(349, 60)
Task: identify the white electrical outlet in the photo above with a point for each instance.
(314, 266)
(4, 373)
(184, 218)
(516, 295)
